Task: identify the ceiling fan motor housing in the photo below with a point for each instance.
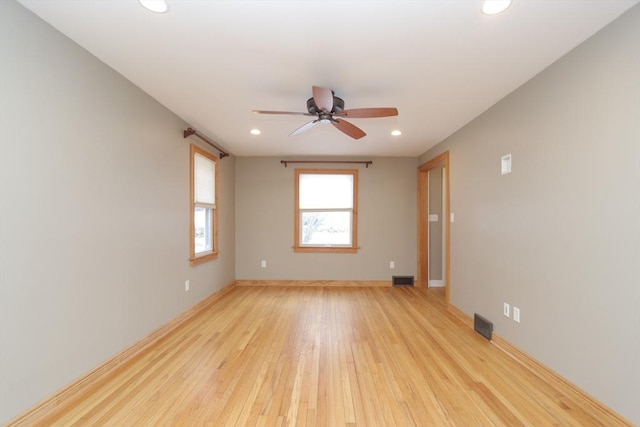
(338, 106)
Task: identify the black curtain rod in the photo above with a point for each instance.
(365, 162)
(191, 131)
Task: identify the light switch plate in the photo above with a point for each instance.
(505, 164)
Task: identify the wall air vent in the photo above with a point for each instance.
(402, 280)
(482, 326)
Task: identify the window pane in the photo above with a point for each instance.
(203, 233)
(325, 228)
(325, 191)
(205, 180)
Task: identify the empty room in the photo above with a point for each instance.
(338, 213)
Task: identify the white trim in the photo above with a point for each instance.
(436, 283)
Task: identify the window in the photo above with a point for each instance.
(204, 210)
(326, 210)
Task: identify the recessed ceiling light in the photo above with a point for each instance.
(157, 6)
(492, 7)
(255, 132)
(396, 133)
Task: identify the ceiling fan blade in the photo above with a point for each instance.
(293, 113)
(362, 113)
(323, 98)
(349, 129)
(305, 127)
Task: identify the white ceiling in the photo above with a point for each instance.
(440, 62)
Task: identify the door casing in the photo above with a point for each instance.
(423, 221)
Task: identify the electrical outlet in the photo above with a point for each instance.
(516, 314)
(392, 264)
(263, 263)
(186, 286)
(505, 310)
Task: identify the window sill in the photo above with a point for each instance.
(324, 249)
(203, 258)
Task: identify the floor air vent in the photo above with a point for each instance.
(482, 326)
(402, 280)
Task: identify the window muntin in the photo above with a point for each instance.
(204, 212)
(326, 210)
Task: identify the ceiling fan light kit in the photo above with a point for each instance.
(330, 109)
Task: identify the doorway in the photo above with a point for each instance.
(434, 248)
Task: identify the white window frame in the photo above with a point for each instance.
(298, 246)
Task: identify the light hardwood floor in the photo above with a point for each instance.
(327, 356)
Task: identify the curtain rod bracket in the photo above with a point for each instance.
(190, 131)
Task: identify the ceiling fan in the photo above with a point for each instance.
(330, 109)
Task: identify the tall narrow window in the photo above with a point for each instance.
(204, 212)
(326, 210)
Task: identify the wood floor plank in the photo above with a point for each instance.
(327, 356)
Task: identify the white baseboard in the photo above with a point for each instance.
(436, 283)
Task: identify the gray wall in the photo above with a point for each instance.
(386, 223)
(94, 217)
(559, 237)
